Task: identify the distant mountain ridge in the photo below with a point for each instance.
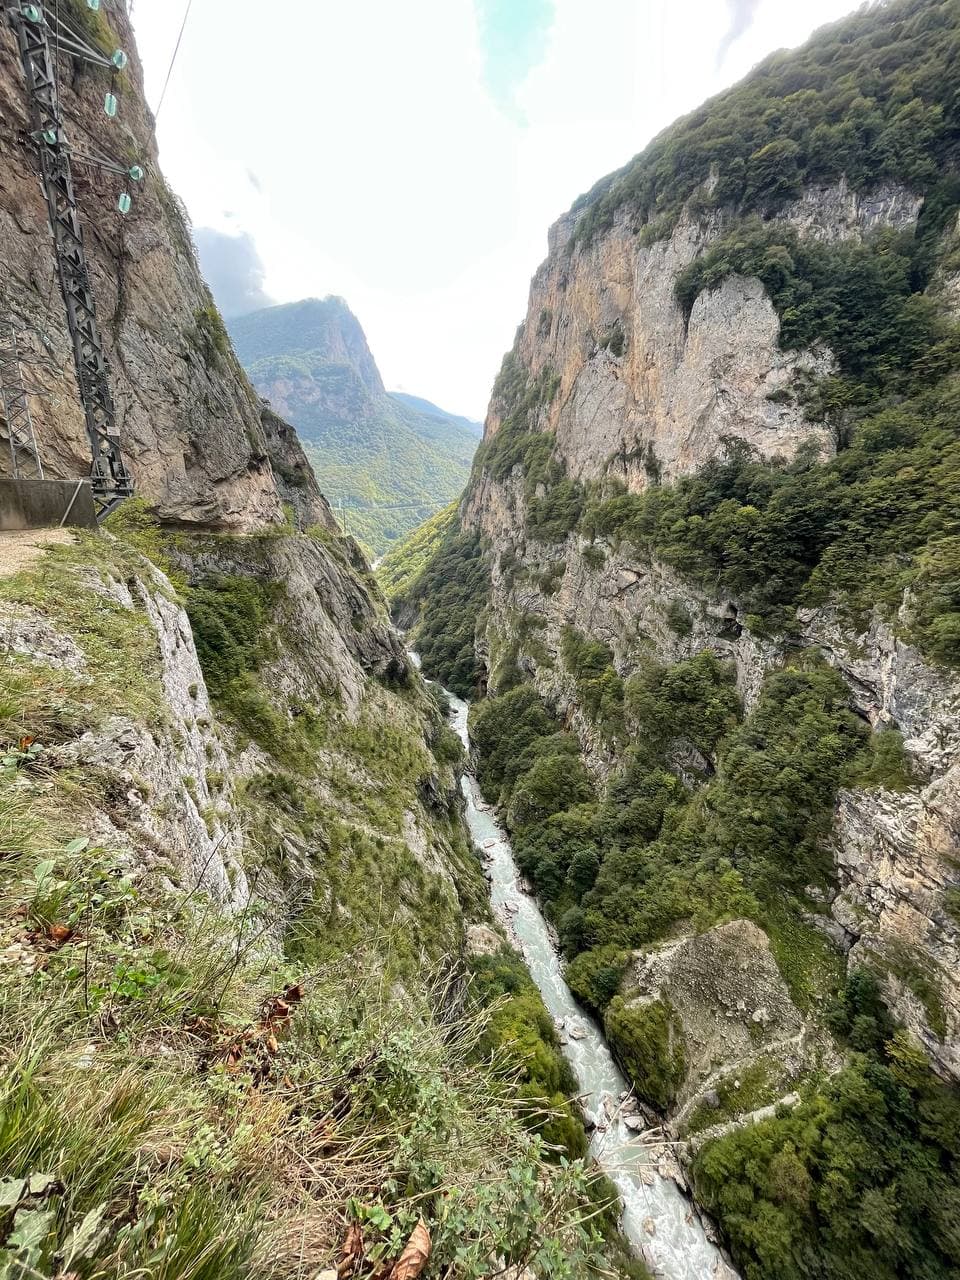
(420, 405)
(389, 459)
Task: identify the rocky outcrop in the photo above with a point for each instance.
(189, 420)
(295, 481)
(645, 392)
(159, 797)
(733, 1006)
(181, 786)
(335, 629)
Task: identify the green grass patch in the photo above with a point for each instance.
(67, 585)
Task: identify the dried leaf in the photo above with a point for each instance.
(277, 1009)
(351, 1254)
(294, 994)
(415, 1255)
(272, 1045)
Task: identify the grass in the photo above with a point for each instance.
(919, 975)
(197, 1146)
(160, 1112)
(156, 1117)
(69, 585)
(754, 1086)
(809, 964)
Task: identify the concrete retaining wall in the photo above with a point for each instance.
(41, 504)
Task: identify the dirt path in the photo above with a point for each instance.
(19, 548)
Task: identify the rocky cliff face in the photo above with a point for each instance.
(347, 382)
(179, 781)
(215, 463)
(644, 397)
(189, 421)
(387, 460)
(645, 392)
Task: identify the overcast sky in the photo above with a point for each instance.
(411, 154)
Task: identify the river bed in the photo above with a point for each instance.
(658, 1219)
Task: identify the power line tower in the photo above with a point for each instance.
(110, 480)
(24, 456)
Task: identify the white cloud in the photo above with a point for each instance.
(386, 173)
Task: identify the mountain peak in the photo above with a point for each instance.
(324, 327)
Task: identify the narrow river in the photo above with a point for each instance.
(658, 1218)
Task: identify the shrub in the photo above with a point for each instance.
(594, 977)
(210, 335)
(521, 1028)
(648, 1042)
(868, 98)
(448, 595)
(860, 1179)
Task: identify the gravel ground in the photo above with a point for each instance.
(20, 547)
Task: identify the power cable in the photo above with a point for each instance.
(345, 508)
(176, 50)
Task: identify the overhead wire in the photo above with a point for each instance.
(398, 506)
(176, 50)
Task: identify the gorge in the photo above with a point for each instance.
(702, 587)
(261, 1012)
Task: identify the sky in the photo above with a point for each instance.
(410, 155)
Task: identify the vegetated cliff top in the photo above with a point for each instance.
(312, 325)
(389, 459)
(869, 98)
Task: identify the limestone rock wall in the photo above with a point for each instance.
(152, 795)
(676, 389)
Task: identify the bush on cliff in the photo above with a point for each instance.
(648, 1042)
(869, 98)
(860, 1179)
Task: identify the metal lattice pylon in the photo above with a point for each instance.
(25, 461)
(110, 480)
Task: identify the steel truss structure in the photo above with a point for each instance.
(110, 480)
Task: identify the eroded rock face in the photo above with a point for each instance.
(188, 418)
(644, 392)
(336, 632)
(295, 481)
(160, 798)
(665, 405)
(733, 1005)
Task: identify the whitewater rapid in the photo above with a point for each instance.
(658, 1218)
